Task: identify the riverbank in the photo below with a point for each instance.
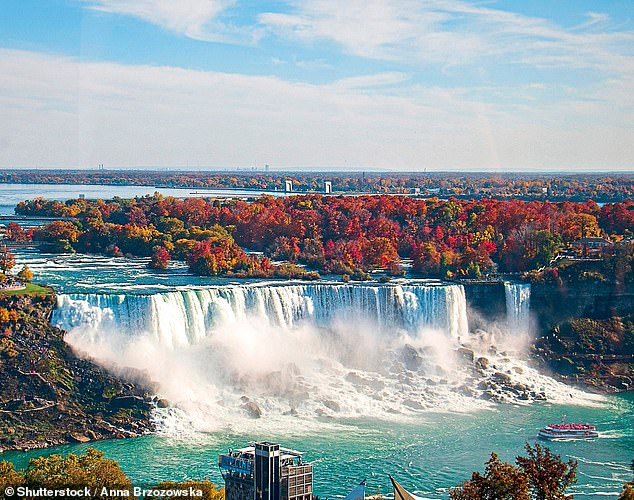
(50, 396)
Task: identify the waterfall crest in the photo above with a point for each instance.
(186, 317)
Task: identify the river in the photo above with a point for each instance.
(364, 379)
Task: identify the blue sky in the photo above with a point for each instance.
(395, 84)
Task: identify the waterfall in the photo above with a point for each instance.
(362, 349)
(296, 350)
(518, 297)
(188, 316)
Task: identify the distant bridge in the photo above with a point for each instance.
(33, 218)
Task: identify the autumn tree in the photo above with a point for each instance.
(26, 274)
(14, 232)
(208, 489)
(9, 477)
(7, 259)
(501, 481)
(548, 475)
(540, 475)
(91, 470)
(160, 258)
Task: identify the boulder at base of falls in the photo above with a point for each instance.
(501, 378)
(482, 363)
(332, 405)
(466, 354)
(252, 409)
(411, 358)
(414, 405)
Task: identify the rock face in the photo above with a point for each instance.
(49, 396)
(584, 331)
(552, 305)
(252, 409)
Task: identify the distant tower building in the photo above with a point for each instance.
(265, 471)
(327, 187)
(266, 167)
(288, 186)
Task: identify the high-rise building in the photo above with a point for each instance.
(265, 471)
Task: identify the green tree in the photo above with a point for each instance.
(548, 476)
(545, 246)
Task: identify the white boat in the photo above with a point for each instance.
(568, 431)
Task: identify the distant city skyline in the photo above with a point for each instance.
(400, 85)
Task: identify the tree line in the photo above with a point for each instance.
(335, 235)
(556, 187)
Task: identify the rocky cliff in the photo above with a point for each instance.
(584, 331)
(48, 395)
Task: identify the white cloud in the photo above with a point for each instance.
(193, 18)
(59, 111)
(451, 32)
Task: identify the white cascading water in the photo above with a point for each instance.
(518, 298)
(290, 350)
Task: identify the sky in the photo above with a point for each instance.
(509, 85)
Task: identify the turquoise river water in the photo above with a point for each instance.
(337, 355)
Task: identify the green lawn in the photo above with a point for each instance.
(31, 289)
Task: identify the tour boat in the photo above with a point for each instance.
(568, 431)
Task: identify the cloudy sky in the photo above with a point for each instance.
(389, 84)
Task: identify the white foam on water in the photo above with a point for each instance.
(304, 355)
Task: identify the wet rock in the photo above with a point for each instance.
(487, 396)
(332, 405)
(411, 358)
(162, 403)
(128, 402)
(355, 378)
(501, 378)
(517, 369)
(415, 405)
(79, 438)
(252, 409)
(292, 412)
(466, 354)
(482, 363)
(465, 391)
